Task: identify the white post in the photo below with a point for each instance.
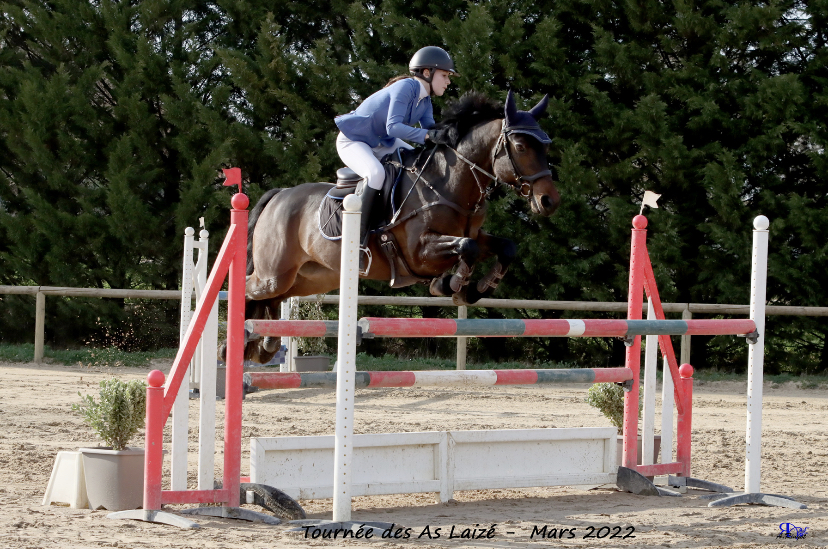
(756, 355)
(685, 339)
(667, 403)
(284, 314)
(346, 358)
(205, 365)
(462, 312)
(649, 384)
(40, 326)
(291, 344)
(178, 450)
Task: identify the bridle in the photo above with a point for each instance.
(523, 183)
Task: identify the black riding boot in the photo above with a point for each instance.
(369, 197)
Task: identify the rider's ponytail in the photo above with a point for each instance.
(397, 79)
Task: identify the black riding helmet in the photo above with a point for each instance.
(431, 57)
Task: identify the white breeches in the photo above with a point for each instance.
(364, 160)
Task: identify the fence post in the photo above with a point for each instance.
(462, 312)
(346, 359)
(756, 354)
(40, 326)
(684, 354)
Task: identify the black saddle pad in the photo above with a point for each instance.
(330, 210)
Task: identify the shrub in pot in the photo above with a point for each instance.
(114, 472)
(313, 349)
(608, 398)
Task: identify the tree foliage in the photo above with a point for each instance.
(116, 115)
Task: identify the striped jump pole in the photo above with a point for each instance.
(451, 327)
(372, 327)
(452, 378)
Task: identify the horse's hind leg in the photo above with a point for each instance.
(506, 251)
(263, 299)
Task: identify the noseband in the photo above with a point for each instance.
(521, 181)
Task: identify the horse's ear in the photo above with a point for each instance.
(511, 108)
(539, 109)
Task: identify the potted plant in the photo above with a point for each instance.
(312, 358)
(114, 472)
(609, 399)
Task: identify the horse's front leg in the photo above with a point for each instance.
(442, 248)
(491, 245)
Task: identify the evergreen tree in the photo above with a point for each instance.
(116, 116)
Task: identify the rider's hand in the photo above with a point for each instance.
(442, 136)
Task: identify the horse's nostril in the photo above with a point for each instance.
(546, 202)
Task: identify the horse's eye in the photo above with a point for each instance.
(520, 148)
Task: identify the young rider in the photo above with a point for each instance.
(384, 121)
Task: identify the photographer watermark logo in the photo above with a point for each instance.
(789, 530)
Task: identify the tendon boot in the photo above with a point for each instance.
(369, 198)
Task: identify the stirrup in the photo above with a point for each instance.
(367, 251)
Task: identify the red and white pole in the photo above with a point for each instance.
(154, 450)
(235, 351)
(638, 251)
(684, 421)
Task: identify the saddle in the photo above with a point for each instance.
(347, 182)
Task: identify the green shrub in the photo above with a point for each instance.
(119, 413)
(609, 399)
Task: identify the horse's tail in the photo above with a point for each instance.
(251, 224)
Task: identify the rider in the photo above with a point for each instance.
(379, 124)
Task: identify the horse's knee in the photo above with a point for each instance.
(469, 251)
(508, 252)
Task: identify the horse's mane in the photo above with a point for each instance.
(471, 109)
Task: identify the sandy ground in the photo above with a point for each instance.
(35, 409)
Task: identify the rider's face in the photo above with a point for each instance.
(440, 82)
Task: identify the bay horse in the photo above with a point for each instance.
(436, 228)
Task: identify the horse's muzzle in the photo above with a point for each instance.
(545, 203)
(549, 204)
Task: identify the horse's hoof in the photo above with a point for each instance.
(436, 287)
(272, 344)
(459, 298)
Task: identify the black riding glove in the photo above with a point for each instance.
(442, 136)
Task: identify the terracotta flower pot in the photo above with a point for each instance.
(312, 363)
(114, 479)
(656, 450)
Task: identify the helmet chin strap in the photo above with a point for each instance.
(428, 80)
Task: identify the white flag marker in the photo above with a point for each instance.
(650, 199)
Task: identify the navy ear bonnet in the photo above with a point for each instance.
(525, 121)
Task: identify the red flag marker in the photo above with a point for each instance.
(233, 177)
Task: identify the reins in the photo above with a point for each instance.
(522, 182)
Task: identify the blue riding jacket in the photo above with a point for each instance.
(389, 114)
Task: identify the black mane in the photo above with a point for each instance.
(471, 109)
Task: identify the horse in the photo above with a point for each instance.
(436, 228)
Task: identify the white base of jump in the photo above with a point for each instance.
(442, 461)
